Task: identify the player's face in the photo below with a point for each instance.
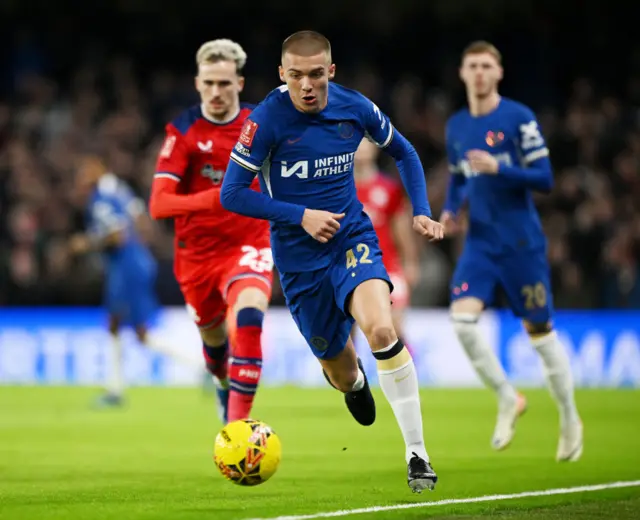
(219, 86)
(89, 171)
(481, 73)
(365, 157)
(308, 80)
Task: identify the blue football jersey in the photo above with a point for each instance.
(307, 159)
(502, 214)
(113, 207)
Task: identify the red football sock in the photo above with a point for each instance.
(246, 363)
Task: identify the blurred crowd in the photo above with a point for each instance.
(114, 107)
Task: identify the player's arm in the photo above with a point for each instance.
(534, 172)
(172, 164)
(247, 158)
(457, 179)
(105, 232)
(405, 241)
(383, 134)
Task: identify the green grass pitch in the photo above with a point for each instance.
(153, 459)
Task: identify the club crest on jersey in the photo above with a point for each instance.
(346, 130)
(210, 173)
(494, 138)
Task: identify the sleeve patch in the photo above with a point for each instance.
(168, 146)
(248, 132)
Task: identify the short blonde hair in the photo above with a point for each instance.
(222, 50)
(482, 47)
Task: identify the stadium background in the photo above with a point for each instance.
(106, 76)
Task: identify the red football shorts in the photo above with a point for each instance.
(400, 296)
(206, 295)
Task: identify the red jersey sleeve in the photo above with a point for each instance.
(173, 158)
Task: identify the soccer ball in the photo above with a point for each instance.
(247, 452)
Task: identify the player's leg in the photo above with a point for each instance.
(363, 289)
(143, 307)
(326, 328)
(114, 388)
(529, 291)
(400, 299)
(472, 287)
(115, 303)
(248, 299)
(208, 309)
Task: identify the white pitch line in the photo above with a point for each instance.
(454, 501)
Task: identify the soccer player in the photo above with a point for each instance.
(114, 218)
(223, 261)
(497, 158)
(302, 140)
(384, 203)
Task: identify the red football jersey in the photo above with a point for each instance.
(383, 199)
(195, 153)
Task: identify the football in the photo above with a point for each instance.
(247, 452)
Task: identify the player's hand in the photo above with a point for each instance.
(429, 228)
(482, 162)
(78, 244)
(450, 223)
(321, 225)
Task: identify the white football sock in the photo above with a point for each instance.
(399, 383)
(557, 371)
(359, 383)
(482, 357)
(115, 380)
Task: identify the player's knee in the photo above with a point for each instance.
(464, 325)
(247, 297)
(380, 335)
(467, 305)
(214, 336)
(141, 334)
(535, 330)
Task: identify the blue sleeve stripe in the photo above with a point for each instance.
(244, 163)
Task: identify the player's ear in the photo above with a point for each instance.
(500, 73)
(240, 83)
(332, 71)
(281, 73)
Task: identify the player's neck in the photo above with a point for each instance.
(226, 118)
(481, 106)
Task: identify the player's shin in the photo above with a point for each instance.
(246, 362)
(399, 382)
(216, 358)
(115, 383)
(557, 371)
(482, 357)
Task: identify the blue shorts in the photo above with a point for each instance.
(524, 276)
(319, 300)
(131, 299)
